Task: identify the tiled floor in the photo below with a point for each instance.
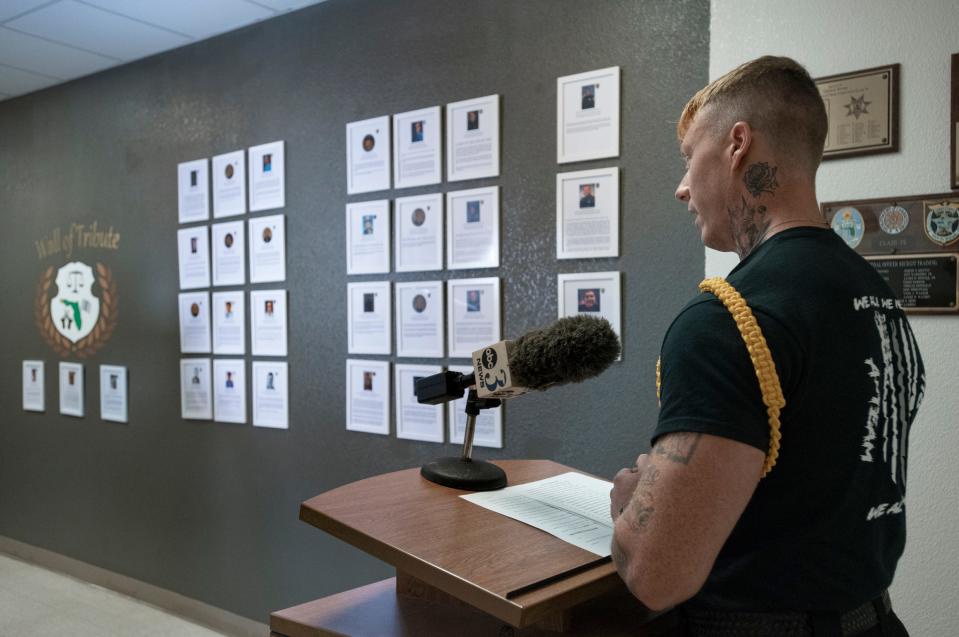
(35, 602)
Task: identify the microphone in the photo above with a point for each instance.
(569, 351)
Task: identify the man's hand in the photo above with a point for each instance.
(625, 483)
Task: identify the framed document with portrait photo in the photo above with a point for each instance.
(418, 235)
(587, 115)
(34, 397)
(472, 139)
(472, 228)
(370, 312)
(368, 155)
(368, 237)
(417, 148)
(473, 315)
(863, 112)
(368, 396)
(419, 319)
(587, 214)
(592, 294)
(414, 420)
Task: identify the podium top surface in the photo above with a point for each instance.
(498, 564)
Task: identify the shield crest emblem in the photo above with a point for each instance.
(75, 310)
(942, 221)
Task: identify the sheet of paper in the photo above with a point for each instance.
(370, 314)
(472, 228)
(419, 319)
(570, 506)
(368, 396)
(71, 389)
(194, 257)
(229, 253)
(415, 421)
(417, 146)
(489, 423)
(472, 138)
(113, 393)
(194, 322)
(193, 186)
(268, 249)
(587, 214)
(368, 155)
(587, 115)
(229, 184)
(34, 397)
(229, 390)
(368, 237)
(195, 397)
(267, 176)
(270, 395)
(229, 322)
(419, 233)
(268, 324)
(473, 315)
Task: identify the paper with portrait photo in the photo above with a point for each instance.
(268, 249)
(595, 294)
(473, 315)
(193, 187)
(368, 237)
(489, 422)
(229, 390)
(229, 322)
(419, 319)
(368, 396)
(587, 214)
(194, 322)
(71, 389)
(419, 233)
(417, 148)
(34, 396)
(472, 139)
(368, 155)
(267, 176)
(472, 228)
(229, 184)
(268, 324)
(587, 115)
(229, 253)
(370, 314)
(271, 404)
(113, 393)
(193, 247)
(196, 402)
(415, 421)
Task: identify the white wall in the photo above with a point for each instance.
(833, 36)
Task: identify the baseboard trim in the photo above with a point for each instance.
(193, 610)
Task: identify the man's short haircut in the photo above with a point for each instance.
(774, 95)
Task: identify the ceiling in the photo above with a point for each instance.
(46, 42)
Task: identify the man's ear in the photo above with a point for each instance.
(740, 140)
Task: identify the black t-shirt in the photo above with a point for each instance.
(825, 528)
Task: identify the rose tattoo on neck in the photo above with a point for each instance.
(760, 178)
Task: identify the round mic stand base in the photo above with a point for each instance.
(466, 474)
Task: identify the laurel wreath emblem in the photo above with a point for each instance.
(106, 323)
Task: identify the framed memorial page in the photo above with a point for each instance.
(472, 139)
(229, 390)
(597, 294)
(196, 401)
(863, 112)
(419, 319)
(33, 390)
(368, 237)
(414, 420)
(71, 389)
(417, 148)
(113, 393)
(419, 233)
(368, 155)
(473, 315)
(370, 312)
(271, 394)
(193, 248)
(368, 396)
(587, 214)
(587, 115)
(229, 184)
(193, 181)
(472, 228)
(267, 172)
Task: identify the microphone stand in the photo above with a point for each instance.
(464, 472)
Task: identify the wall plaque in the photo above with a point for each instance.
(863, 111)
(922, 282)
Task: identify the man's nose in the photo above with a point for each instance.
(682, 191)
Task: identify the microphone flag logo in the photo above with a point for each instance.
(489, 358)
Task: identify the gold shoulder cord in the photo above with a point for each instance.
(759, 354)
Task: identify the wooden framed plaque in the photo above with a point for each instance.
(923, 283)
(954, 125)
(863, 112)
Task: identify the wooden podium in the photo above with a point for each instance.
(461, 569)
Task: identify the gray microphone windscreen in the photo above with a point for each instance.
(569, 351)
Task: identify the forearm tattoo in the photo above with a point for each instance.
(749, 225)
(678, 447)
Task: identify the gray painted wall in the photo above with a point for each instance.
(208, 509)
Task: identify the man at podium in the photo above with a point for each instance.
(773, 507)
